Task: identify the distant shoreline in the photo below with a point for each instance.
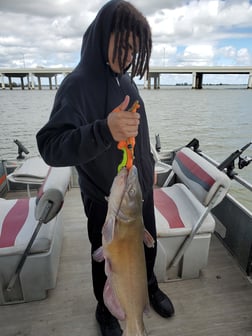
(139, 85)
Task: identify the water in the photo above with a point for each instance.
(22, 115)
(219, 117)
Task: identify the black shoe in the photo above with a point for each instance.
(161, 303)
(109, 325)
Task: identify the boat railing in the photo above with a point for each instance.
(235, 176)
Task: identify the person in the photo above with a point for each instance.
(84, 129)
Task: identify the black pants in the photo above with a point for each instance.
(96, 214)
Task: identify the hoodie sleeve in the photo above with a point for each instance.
(68, 139)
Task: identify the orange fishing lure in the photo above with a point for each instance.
(127, 146)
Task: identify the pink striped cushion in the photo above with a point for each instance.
(177, 211)
(17, 224)
(193, 171)
(13, 222)
(204, 180)
(168, 208)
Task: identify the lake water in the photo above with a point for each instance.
(219, 117)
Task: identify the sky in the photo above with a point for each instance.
(48, 33)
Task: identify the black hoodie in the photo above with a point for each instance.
(77, 133)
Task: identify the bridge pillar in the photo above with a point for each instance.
(156, 81)
(147, 82)
(22, 83)
(31, 84)
(2, 84)
(39, 83)
(50, 82)
(156, 78)
(56, 83)
(10, 83)
(197, 80)
(250, 81)
(28, 81)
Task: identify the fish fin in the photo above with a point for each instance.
(147, 310)
(108, 229)
(107, 267)
(148, 239)
(112, 303)
(98, 254)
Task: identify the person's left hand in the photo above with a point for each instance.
(122, 123)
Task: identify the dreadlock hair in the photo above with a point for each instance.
(127, 19)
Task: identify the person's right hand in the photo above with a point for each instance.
(122, 123)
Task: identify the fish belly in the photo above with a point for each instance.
(128, 278)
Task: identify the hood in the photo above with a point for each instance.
(94, 50)
(86, 87)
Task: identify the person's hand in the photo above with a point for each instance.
(122, 123)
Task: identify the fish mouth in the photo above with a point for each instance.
(132, 176)
(133, 172)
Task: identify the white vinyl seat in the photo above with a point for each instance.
(32, 171)
(19, 219)
(183, 218)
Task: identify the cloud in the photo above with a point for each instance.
(49, 33)
(201, 20)
(48, 8)
(235, 56)
(150, 6)
(198, 55)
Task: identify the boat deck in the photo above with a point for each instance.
(218, 303)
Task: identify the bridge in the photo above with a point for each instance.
(30, 74)
(197, 73)
(153, 80)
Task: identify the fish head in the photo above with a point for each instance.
(131, 203)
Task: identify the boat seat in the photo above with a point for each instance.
(183, 219)
(162, 169)
(32, 172)
(19, 218)
(3, 179)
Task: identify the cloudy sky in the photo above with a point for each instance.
(48, 33)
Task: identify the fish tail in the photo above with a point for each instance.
(125, 333)
(136, 331)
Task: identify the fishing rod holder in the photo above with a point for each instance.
(229, 163)
(193, 144)
(158, 143)
(243, 162)
(21, 149)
